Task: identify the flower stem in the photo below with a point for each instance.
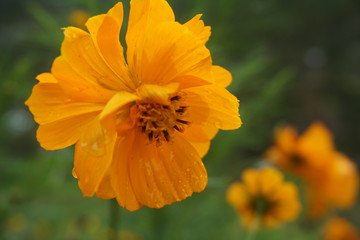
(251, 233)
(114, 219)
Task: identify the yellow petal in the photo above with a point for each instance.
(155, 93)
(199, 133)
(105, 189)
(164, 174)
(144, 16)
(199, 136)
(316, 143)
(48, 104)
(78, 87)
(179, 53)
(222, 77)
(287, 201)
(251, 181)
(80, 52)
(46, 78)
(119, 100)
(198, 28)
(93, 156)
(202, 148)
(120, 173)
(214, 106)
(236, 195)
(269, 180)
(105, 30)
(286, 139)
(148, 13)
(344, 181)
(189, 81)
(64, 132)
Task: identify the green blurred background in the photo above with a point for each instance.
(292, 62)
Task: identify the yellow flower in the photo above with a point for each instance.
(264, 196)
(331, 178)
(140, 122)
(340, 229)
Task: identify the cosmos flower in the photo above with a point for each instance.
(264, 196)
(142, 118)
(338, 228)
(330, 177)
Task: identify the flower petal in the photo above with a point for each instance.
(199, 133)
(317, 144)
(159, 175)
(148, 13)
(144, 16)
(93, 156)
(286, 139)
(105, 31)
(344, 181)
(269, 181)
(48, 104)
(119, 171)
(46, 78)
(79, 51)
(199, 137)
(222, 77)
(118, 101)
(78, 87)
(173, 47)
(236, 195)
(198, 27)
(189, 81)
(202, 148)
(251, 180)
(155, 93)
(288, 205)
(64, 132)
(105, 189)
(213, 106)
(61, 119)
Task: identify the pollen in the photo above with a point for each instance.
(159, 122)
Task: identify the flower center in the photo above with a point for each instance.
(158, 122)
(261, 205)
(296, 160)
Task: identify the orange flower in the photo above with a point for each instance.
(334, 186)
(339, 229)
(263, 194)
(297, 153)
(142, 122)
(330, 177)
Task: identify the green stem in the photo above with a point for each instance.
(253, 229)
(114, 219)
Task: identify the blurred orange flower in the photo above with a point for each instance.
(264, 196)
(331, 178)
(141, 123)
(78, 18)
(340, 229)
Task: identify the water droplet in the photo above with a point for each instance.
(74, 173)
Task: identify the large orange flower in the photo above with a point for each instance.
(142, 122)
(331, 178)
